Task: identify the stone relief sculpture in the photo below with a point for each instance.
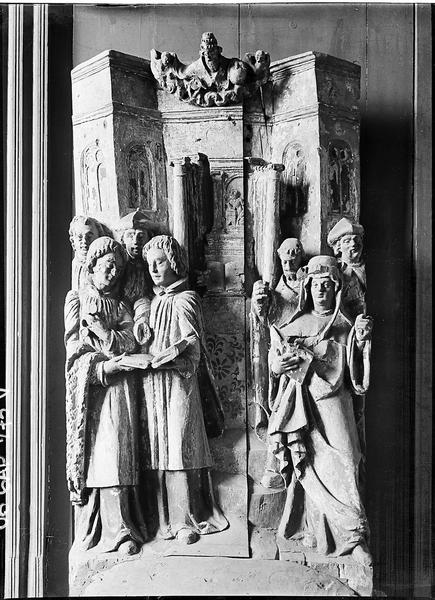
(273, 307)
(318, 360)
(82, 232)
(213, 79)
(341, 184)
(102, 415)
(176, 454)
(142, 402)
(346, 240)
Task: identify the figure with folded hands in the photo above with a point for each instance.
(318, 361)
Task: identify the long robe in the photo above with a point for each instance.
(176, 443)
(315, 434)
(102, 424)
(283, 305)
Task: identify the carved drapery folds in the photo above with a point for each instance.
(213, 79)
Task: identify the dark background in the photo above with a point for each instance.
(381, 39)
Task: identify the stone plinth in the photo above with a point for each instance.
(119, 158)
(315, 134)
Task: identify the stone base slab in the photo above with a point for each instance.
(201, 576)
(353, 574)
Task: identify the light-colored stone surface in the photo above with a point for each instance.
(182, 576)
(358, 577)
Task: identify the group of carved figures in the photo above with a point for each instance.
(142, 401)
(138, 459)
(311, 385)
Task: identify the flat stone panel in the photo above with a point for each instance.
(213, 576)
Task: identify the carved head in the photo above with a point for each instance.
(346, 240)
(167, 60)
(262, 58)
(322, 282)
(291, 254)
(167, 261)
(210, 51)
(82, 232)
(105, 262)
(133, 231)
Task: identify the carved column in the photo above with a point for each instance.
(39, 311)
(180, 210)
(17, 306)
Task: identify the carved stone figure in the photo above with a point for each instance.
(279, 304)
(317, 361)
(133, 231)
(275, 307)
(346, 240)
(177, 455)
(213, 79)
(101, 407)
(82, 231)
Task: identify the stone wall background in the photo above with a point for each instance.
(381, 39)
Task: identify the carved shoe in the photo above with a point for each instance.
(187, 536)
(165, 533)
(128, 548)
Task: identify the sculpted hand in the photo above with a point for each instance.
(260, 296)
(113, 366)
(286, 362)
(142, 331)
(96, 326)
(363, 328)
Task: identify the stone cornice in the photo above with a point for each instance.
(313, 110)
(112, 59)
(111, 108)
(309, 60)
(233, 113)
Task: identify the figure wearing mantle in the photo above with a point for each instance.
(102, 416)
(318, 360)
(176, 447)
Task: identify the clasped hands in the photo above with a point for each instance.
(285, 362)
